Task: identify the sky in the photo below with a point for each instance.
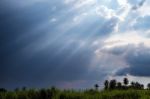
(73, 43)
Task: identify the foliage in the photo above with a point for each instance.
(72, 94)
(112, 90)
(125, 81)
(113, 84)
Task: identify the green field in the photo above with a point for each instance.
(54, 93)
(112, 90)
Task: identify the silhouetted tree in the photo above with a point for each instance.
(139, 86)
(142, 86)
(132, 83)
(24, 88)
(3, 90)
(133, 86)
(43, 94)
(52, 92)
(119, 85)
(33, 94)
(112, 84)
(148, 86)
(106, 84)
(126, 81)
(62, 96)
(96, 86)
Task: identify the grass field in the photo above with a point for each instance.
(54, 93)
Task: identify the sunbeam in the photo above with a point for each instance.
(49, 42)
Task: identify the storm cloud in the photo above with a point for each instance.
(71, 43)
(138, 60)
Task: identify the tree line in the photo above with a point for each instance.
(108, 85)
(113, 84)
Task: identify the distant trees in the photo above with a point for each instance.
(113, 84)
(24, 88)
(96, 86)
(138, 85)
(148, 86)
(119, 85)
(132, 84)
(43, 94)
(125, 81)
(3, 90)
(106, 83)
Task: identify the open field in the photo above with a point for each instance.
(54, 93)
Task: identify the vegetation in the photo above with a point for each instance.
(112, 90)
(113, 84)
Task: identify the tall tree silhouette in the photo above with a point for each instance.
(43, 94)
(126, 81)
(148, 85)
(112, 84)
(106, 84)
(96, 86)
(24, 88)
(132, 83)
(142, 86)
(3, 90)
(119, 85)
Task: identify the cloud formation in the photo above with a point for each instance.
(138, 5)
(142, 23)
(138, 60)
(65, 43)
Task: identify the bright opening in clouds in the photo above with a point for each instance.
(73, 43)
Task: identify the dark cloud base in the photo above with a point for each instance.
(138, 59)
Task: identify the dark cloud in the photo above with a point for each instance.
(29, 52)
(138, 59)
(35, 52)
(46, 67)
